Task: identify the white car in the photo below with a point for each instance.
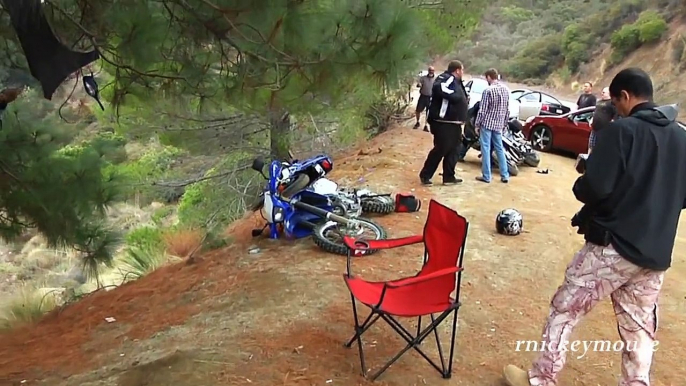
(535, 103)
(476, 86)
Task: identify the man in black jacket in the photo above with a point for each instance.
(587, 99)
(447, 114)
(634, 192)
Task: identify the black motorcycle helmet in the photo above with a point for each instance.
(514, 125)
(509, 222)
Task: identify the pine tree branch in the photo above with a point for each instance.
(199, 179)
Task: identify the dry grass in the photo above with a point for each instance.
(27, 307)
(182, 242)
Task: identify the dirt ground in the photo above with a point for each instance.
(280, 317)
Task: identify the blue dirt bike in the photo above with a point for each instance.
(293, 208)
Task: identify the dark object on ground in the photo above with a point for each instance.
(509, 222)
(50, 61)
(406, 203)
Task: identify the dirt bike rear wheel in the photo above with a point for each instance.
(329, 235)
(377, 205)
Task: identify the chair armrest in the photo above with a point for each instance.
(423, 278)
(359, 247)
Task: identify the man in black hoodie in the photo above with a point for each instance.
(447, 114)
(633, 193)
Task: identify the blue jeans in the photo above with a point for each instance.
(488, 137)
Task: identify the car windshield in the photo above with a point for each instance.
(478, 86)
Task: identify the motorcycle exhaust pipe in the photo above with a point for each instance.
(320, 212)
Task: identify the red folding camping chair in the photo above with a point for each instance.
(426, 294)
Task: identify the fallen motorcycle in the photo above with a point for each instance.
(291, 207)
(517, 150)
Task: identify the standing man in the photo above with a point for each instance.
(491, 121)
(425, 86)
(587, 99)
(632, 204)
(447, 114)
(604, 113)
(605, 94)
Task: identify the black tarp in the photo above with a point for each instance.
(50, 61)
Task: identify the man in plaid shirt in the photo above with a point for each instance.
(490, 123)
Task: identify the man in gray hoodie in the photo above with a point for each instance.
(425, 85)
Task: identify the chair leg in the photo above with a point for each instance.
(449, 373)
(359, 330)
(439, 347)
(414, 342)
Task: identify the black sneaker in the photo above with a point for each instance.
(504, 180)
(426, 181)
(451, 181)
(426, 128)
(416, 125)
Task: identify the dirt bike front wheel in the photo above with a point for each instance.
(329, 235)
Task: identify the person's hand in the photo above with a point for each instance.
(477, 130)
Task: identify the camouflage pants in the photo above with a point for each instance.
(595, 273)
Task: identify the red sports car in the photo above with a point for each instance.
(567, 132)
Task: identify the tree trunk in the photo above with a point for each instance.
(280, 134)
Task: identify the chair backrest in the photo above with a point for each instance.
(445, 233)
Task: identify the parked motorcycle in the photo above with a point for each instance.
(292, 208)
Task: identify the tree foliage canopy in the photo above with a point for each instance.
(268, 59)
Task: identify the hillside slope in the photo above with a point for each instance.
(662, 60)
(280, 316)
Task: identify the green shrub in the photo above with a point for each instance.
(160, 215)
(146, 238)
(576, 54)
(625, 39)
(651, 26)
(514, 15)
(678, 49)
(575, 46)
(538, 59)
(137, 262)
